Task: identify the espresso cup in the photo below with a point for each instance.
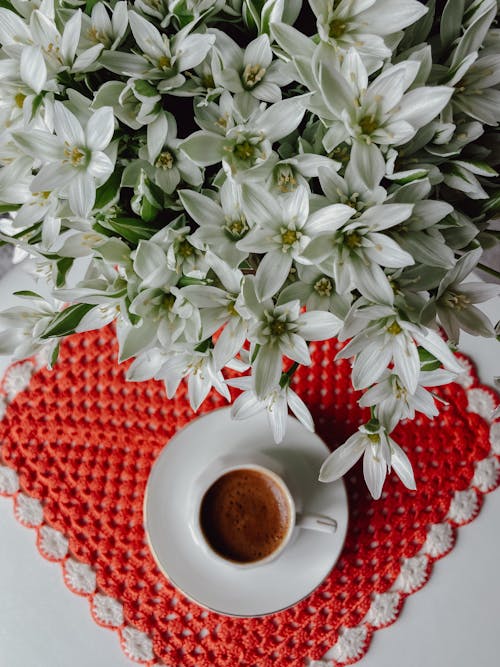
(245, 514)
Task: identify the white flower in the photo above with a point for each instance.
(380, 112)
(249, 72)
(454, 301)
(281, 330)
(363, 25)
(99, 28)
(381, 337)
(220, 309)
(380, 453)
(74, 161)
(170, 164)
(245, 146)
(353, 251)
(394, 402)
(316, 291)
(163, 60)
(282, 231)
(222, 225)
(275, 403)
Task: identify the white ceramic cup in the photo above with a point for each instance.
(271, 469)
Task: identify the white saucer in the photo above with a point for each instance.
(211, 582)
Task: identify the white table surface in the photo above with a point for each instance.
(454, 621)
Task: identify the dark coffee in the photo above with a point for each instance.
(245, 515)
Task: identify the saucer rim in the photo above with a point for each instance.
(190, 596)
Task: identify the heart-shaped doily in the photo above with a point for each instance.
(77, 446)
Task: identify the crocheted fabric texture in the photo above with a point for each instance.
(77, 445)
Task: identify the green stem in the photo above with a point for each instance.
(488, 269)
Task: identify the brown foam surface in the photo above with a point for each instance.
(245, 515)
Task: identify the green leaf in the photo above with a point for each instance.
(148, 210)
(7, 208)
(493, 204)
(131, 229)
(65, 322)
(7, 5)
(54, 356)
(451, 21)
(109, 191)
(428, 361)
(28, 294)
(63, 265)
(89, 5)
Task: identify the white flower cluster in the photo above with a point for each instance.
(233, 187)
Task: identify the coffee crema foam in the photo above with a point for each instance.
(245, 515)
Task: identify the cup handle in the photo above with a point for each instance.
(320, 522)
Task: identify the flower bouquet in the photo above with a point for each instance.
(230, 180)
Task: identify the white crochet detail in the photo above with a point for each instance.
(383, 610)
(53, 543)
(464, 506)
(481, 402)
(466, 378)
(79, 576)
(28, 510)
(439, 540)
(17, 379)
(108, 610)
(486, 474)
(495, 437)
(350, 644)
(9, 481)
(137, 644)
(413, 574)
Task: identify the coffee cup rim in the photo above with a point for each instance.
(200, 537)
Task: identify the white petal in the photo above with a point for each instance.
(146, 35)
(246, 405)
(198, 387)
(300, 409)
(272, 272)
(329, 219)
(39, 144)
(81, 194)
(342, 458)
(13, 30)
(406, 361)
(434, 344)
(193, 51)
(229, 342)
(391, 16)
(295, 348)
(71, 37)
(369, 365)
(67, 125)
(318, 325)
(267, 370)
(100, 166)
(378, 218)
(277, 414)
(204, 148)
(32, 68)
(260, 207)
(367, 163)
(401, 464)
(387, 252)
(258, 52)
(157, 132)
(100, 129)
(283, 117)
(52, 177)
(421, 105)
(375, 471)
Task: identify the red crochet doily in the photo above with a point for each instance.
(77, 446)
